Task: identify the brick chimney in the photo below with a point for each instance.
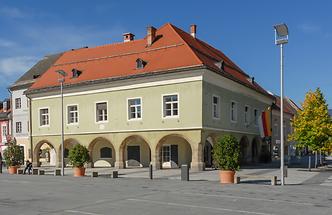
(151, 35)
(193, 30)
(128, 37)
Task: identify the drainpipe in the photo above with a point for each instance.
(10, 118)
(30, 128)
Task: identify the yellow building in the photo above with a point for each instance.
(163, 99)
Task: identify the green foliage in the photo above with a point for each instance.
(78, 155)
(226, 153)
(13, 154)
(312, 125)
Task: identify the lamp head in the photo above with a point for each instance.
(281, 34)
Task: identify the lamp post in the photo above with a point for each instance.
(61, 80)
(281, 38)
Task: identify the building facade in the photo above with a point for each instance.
(5, 123)
(20, 111)
(164, 100)
(290, 110)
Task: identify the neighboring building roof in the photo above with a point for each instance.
(290, 106)
(4, 114)
(36, 71)
(171, 50)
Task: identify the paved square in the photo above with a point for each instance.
(31, 195)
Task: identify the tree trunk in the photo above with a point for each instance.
(316, 159)
(309, 165)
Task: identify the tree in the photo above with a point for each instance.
(312, 125)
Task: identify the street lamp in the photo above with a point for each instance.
(61, 80)
(281, 38)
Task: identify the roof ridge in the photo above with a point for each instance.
(174, 28)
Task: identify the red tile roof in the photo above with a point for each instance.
(288, 107)
(172, 49)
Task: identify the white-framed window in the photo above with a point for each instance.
(44, 117)
(171, 105)
(18, 103)
(18, 127)
(134, 108)
(72, 114)
(256, 116)
(216, 107)
(101, 112)
(246, 114)
(233, 111)
(4, 132)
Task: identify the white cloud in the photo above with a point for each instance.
(12, 66)
(309, 28)
(12, 12)
(6, 43)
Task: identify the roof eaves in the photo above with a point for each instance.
(105, 80)
(238, 81)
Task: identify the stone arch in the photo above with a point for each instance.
(96, 149)
(255, 148)
(68, 144)
(244, 149)
(135, 152)
(173, 150)
(50, 159)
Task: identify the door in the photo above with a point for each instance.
(208, 155)
(170, 156)
(133, 156)
(174, 156)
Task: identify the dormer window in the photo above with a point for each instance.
(35, 76)
(76, 73)
(220, 65)
(140, 64)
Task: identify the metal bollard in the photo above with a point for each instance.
(34, 171)
(57, 172)
(151, 171)
(115, 174)
(41, 172)
(0, 164)
(237, 180)
(274, 180)
(184, 172)
(286, 171)
(94, 174)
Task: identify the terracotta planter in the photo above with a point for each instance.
(226, 176)
(12, 170)
(79, 171)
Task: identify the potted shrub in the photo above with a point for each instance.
(78, 156)
(226, 154)
(13, 156)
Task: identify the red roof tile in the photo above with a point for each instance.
(172, 49)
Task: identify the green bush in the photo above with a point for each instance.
(78, 155)
(13, 154)
(226, 153)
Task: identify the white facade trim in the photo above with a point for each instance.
(144, 130)
(127, 106)
(67, 115)
(107, 109)
(162, 106)
(127, 87)
(220, 81)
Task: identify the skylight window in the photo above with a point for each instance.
(140, 64)
(76, 73)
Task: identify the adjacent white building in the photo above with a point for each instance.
(20, 103)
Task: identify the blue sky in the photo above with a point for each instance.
(241, 29)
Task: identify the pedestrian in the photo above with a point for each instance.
(28, 166)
